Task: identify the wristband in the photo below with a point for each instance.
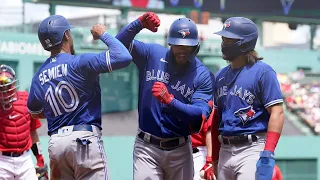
(36, 149)
(272, 141)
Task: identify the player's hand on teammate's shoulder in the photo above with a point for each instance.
(150, 20)
(97, 31)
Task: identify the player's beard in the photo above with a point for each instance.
(230, 52)
(182, 58)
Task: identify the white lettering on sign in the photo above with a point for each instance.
(22, 48)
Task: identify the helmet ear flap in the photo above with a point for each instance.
(248, 46)
(196, 51)
(243, 47)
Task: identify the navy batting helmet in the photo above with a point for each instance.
(243, 29)
(183, 31)
(51, 30)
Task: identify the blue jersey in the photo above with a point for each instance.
(191, 86)
(66, 87)
(242, 97)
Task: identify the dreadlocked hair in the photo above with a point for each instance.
(253, 57)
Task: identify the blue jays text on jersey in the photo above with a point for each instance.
(66, 87)
(191, 87)
(242, 97)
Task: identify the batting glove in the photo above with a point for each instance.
(160, 91)
(265, 165)
(42, 172)
(41, 167)
(207, 171)
(150, 21)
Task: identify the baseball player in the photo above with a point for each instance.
(174, 98)
(202, 152)
(66, 91)
(17, 131)
(249, 104)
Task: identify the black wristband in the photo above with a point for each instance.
(36, 148)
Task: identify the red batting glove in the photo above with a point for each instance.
(40, 160)
(207, 171)
(160, 91)
(150, 21)
(41, 166)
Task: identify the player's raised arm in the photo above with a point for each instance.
(138, 49)
(116, 57)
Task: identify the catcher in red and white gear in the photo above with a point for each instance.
(18, 134)
(205, 162)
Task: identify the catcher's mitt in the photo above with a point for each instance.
(42, 173)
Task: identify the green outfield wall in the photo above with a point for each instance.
(120, 88)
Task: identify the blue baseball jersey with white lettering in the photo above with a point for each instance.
(66, 87)
(189, 84)
(242, 97)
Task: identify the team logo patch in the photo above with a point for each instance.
(184, 32)
(226, 25)
(245, 114)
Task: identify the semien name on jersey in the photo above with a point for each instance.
(52, 73)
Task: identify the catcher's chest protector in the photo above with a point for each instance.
(15, 127)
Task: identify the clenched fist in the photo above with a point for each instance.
(97, 31)
(160, 91)
(150, 21)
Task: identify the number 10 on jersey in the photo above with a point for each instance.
(55, 98)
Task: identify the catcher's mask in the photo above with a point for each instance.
(8, 86)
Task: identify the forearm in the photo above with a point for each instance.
(215, 135)
(127, 34)
(186, 112)
(209, 143)
(275, 125)
(276, 121)
(119, 57)
(38, 116)
(36, 148)
(34, 136)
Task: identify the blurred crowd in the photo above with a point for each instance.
(302, 97)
